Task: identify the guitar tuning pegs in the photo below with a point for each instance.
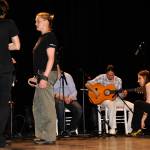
(139, 90)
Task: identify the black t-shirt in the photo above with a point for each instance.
(8, 29)
(40, 57)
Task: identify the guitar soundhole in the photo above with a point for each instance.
(107, 92)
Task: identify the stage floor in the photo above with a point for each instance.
(84, 143)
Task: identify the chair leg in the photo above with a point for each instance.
(56, 127)
(125, 121)
(99, 121)
(106, 119)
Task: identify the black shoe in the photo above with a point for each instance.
(73, 133)
(2, 142)
(65, 134)
(94, 134)
(2, 145)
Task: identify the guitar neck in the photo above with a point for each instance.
(138, 90)
(131, 90)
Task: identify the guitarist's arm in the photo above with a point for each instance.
(89, 87)
(123, 94)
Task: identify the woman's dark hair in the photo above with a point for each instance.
(110, 68)
(145, 74)
(3, 8)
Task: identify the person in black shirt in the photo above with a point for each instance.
(45, 70)
(141, 115)
(8, 31)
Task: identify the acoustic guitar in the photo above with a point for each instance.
(107, 92)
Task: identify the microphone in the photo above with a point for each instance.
(136, 52)
(117, 92)
(139, 48)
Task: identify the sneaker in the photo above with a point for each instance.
(112, 131)
(130, 130)
(37, 139)
(137, 133)
(44, 142)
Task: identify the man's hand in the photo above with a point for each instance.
(125, 92)
(68, 100)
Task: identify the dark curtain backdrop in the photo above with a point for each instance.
(91, 35)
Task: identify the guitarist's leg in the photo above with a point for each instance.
(111, 114)
(129, 107)
(130, 114)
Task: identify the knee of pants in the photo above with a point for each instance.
(109, 104)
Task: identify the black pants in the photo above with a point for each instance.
(139, 108)
(76, 111)
(92, 114)
(5, 95)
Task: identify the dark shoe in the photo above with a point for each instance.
(73, 133)
(44, 142)
(2, 142)
(65, 134)
(94, 133)
(2, 145)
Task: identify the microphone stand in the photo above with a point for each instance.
(83, 102)
(84, 91)
(117, 94)
(11, 103)
(63, 79)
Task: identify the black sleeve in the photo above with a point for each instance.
(13, 30)
(52, 42)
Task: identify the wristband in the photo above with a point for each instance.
(43, 77)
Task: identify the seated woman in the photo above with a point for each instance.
(141, 116)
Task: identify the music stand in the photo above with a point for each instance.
(83, 107)
(84, 90)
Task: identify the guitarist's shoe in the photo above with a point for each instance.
(112, 132)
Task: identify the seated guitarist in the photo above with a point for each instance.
(66, 97)
(109, 78)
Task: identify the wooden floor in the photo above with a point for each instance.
(85, 143)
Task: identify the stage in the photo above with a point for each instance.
(118, 142)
